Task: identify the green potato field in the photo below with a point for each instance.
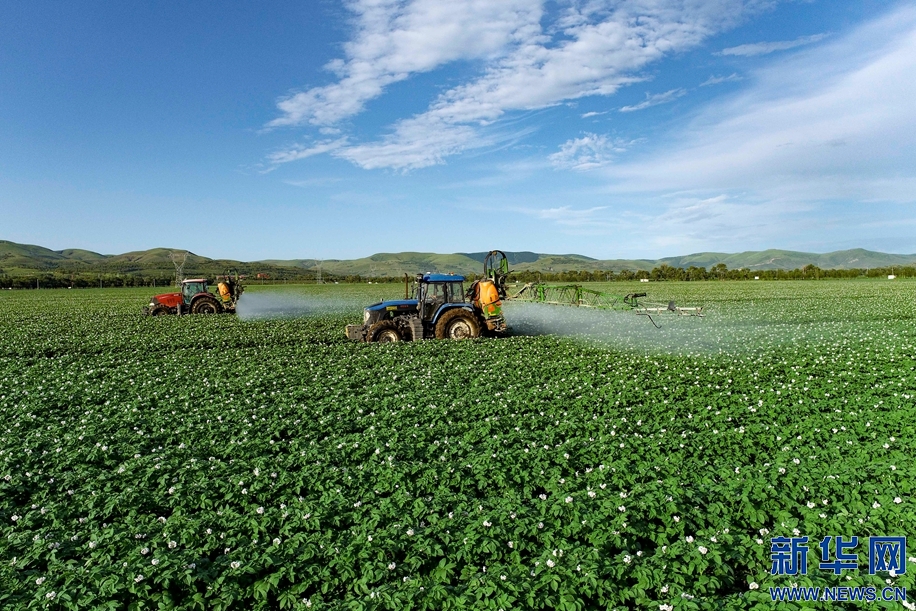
(587, 461)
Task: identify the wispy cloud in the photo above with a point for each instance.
(715, 80)
(565, 215)
(313, 182)
(818, 149)
(762, 48)
(593, 114)
(395, 39)
(301, 152)
(689, 224)
(416, 143)
(531, 60)
(589, 151)
(834, 123)
(656, 99)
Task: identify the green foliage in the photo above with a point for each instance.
(216, 463)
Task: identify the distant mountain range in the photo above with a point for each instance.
(25, 259)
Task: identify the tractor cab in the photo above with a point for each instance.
(190, 288)
(437, 290)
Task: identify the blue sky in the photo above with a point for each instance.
(337, 129)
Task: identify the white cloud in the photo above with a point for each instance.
(690, 224)
(395, 39)
(314, 182)
(819, 151)
(656, 99)
(589, 48)
(565, 215)
(416, 143)
(716, 80)
(301, 152)
(832, 123)
(762, 48)
(589, 151)
(593, 114)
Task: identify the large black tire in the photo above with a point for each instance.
(457, 324)
(205, 305)
(384, 331)
(160, 310)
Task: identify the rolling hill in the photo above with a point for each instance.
(27, 259)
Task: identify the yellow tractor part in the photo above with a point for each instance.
(488, 300)
(224, 291)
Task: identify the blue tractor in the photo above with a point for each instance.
(440, 308)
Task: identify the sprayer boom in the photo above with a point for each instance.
(579, 296)
(670, 308)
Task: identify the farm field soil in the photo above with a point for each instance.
(589, 461)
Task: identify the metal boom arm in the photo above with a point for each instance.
(579, 296)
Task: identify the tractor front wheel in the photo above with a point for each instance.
(457, 324)
(160, 310)
(384, 331)
(205, 305)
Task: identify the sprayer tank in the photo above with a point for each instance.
(224, 291)
(488, 299)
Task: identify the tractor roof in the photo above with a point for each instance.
(442, 278)
(189, 280)
(399, 304)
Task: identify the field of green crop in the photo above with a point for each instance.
(590, 461)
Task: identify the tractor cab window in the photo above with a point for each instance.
(455, 292)
(434, 295)
(434, 292)
(192, 288)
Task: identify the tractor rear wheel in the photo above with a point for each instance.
(205, 305)
(160, 310)
(383, 332)
(457, 324)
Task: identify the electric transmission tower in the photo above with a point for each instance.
(178, 259)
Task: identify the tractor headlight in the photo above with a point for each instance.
(365, 316)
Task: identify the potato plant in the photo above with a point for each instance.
(586, 462)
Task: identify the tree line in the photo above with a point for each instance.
(79, 281)
(661, 273)
(719, 271)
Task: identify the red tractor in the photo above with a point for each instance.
(194, 298)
